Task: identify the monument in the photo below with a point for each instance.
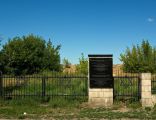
(100, 79)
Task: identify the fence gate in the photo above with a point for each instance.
(127, 88)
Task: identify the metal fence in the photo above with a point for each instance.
(64, 85)
(42, 85)
(126, 86)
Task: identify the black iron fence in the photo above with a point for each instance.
(126, 86)
(53, 84)
(42, 85)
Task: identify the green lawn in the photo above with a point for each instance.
(35, 109)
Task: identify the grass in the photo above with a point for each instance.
(70, 109)
(33, 107)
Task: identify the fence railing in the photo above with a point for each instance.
(41, 85)
(126, 86)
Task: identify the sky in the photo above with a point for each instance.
(81, 26)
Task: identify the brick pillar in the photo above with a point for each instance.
(101, 97)
(146, 95)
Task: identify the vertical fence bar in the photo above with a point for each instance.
(86, 80)
(139, 88)
(43, 87)
(153, 84)
(1, 84)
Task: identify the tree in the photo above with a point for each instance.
(82, 67)
(140, 58)
(52, 57)
(66, 63)
(27, 54)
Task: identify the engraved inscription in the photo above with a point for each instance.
(100, 72)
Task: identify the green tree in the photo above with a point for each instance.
(52, 57)
(82, 67)
(140, 58)
(66, 63)
(27, 54)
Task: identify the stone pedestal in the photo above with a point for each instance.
(146, 95)
(101, 97)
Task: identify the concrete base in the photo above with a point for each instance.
(101, 97)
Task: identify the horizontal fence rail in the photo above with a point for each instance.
(44, 85)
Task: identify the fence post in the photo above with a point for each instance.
(43, 87)
(1, 84)
(146, 96)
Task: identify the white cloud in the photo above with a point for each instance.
(150, 19)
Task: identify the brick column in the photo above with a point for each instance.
(146, 95)
(101, 97)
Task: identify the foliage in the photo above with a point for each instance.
(52, 57)
(66, 63)
(27, 54)
(140, 58)
(82, 67)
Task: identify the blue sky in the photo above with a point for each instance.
(81, 26)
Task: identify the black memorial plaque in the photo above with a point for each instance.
(100, 71)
